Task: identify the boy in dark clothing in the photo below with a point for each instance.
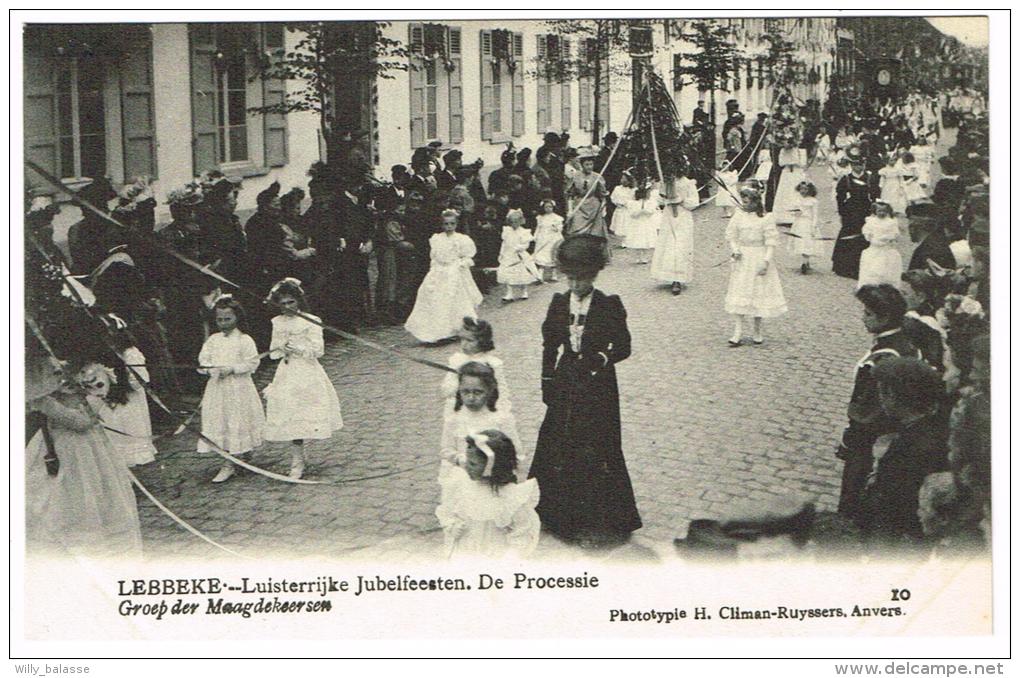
(884, 308)
(910, 392)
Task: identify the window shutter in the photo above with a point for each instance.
(274, 91)
(416, 76)
(487, 98)
(517, 82)
(136, 111)
(40, 117)
(203, 97)
(584, 103)
(543, 85)
(456, 87)
(604, 97)
(566, 112)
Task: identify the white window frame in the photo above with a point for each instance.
(223, 131)
(70, 65)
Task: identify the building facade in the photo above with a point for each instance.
(169, 101)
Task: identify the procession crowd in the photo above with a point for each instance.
(157, 320)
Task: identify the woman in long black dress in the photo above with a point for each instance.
(586, 490)
(856, 193)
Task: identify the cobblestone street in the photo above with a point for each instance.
(704, 426)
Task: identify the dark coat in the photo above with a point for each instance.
(224, 238)
(87, 244)
(854, 199)
(357, 229)
(499, 180)
(579, 462)
(936, 248)
(874, 148)
(866, 419)
(270, 260)
(445, 180)
(748, 158)
(889, 501)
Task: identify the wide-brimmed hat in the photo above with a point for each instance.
(221, 189)
(581, 254)
(99, 192)
(421, 154)
(854, 154)
(587, 152)
(187, 195)
(267, 196)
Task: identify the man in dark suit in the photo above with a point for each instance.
(447, 178)
(701, 116)
(396, 192)
(356, 228)
(499, 179)
(757, 132)
(610, 170)
(932, 243)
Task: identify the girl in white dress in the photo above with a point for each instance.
(125, 407)
(78, 497)
(517, 268)
(793, 161)
(301, 403)
(448, 293)
(484, 511)
(754, 288)
(924, 155)
(476, 345)
(762, 173)
(891, 185)
(621, 197)
(643, 223)
(764, 165)
(548, 234)
(673, 260)
(805, 232)
(881, 261)
(475, 407)
(232, 416)
(910, 175)
(726, 198)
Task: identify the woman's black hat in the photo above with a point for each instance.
(581, 254)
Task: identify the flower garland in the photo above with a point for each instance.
(434, 45)
(502, 48)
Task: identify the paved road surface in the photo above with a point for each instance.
(704, 426)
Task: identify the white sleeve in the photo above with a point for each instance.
(525, 526)
(249, 358)
(207, 357)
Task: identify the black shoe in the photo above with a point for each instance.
(804, 268)
(677, 289)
